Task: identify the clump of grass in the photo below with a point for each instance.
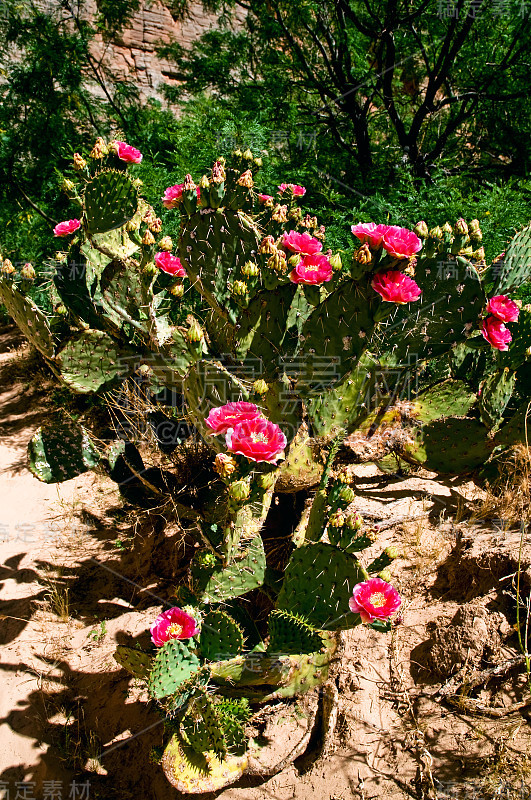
(508, 497)
(57, 597)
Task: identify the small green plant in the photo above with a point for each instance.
(98, 634)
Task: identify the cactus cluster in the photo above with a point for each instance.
(296, 341)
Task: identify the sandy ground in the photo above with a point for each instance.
(74, 584)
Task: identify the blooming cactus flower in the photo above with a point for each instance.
(370, 233)
(301, 243)
(126, 152)
(257, 439)
(374, 599)
(170, 264)
(224, 417)
(395, 287)
(173, 195)
(172, 624)
(496, 334)
(401, 242)
(502, 307)
(312, 270)
(67, 227)
(265, 199)
(298, 191)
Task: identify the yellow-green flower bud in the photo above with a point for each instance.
(392, 552)
(280, 213)
(347, 494)
(177, 290)
(461, 228)
(363, 255)
(7, 267)
(79, 162)
(336, 262)
(148, 239)
(224, 465)
(437, 233)
(354, 521)
(100, 149)
(248, 155)
(337, 519)
(165, 243)
(132, 225)
(250, 269)
(204, 183)
(194, 332)
(61, 257)
(277, 262)
(294, 260)
(239, 491)
(267, 246)
(246, 179)
(239, 288)
(68, 186)
(385, 575)
(27, 272)
(260, 386)
(421, 229)
(447, 228)
(155, 225)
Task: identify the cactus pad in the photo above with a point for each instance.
(495, 395)
(93, 360)
(173, 664)
(110, 201)
(515, 268)
(221, 637)
(30, 319)
(289, 633)
(59, 452)
(191, 774)
(323, 601)
(246, 572)
(134, 661)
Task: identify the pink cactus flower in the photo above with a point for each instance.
(67, 227)
(172, 624)
(502, 307)
(312, 270)
(370, 232)
(173, 195)
(401, 242)
(301, 243)
(374, 599)
(224, 417)
(126, 152)
(265, 199)
(395, 287)
(496, 334)
(257, 439)
(170, 264)
(298, 191)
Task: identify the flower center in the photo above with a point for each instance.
(311, 267)
(175, 630)
(259, 437)
(377, 600)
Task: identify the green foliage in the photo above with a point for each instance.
(59, 452)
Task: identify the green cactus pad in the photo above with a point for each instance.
(30, 319)
(173, 664)
(93, 360)
(515, 268)
(247, 571)
(448, 309)
(110, 201)
(192, 774)
(519, 348)
(136, 662)
(176, 702)
(336, 333)
(495, 395)
(201, 726)
(342, 407)
(450, 398)
(289, 633)
(323, 601)
(451, 445)
(59, 452)
(214, 245)
(221, 637)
